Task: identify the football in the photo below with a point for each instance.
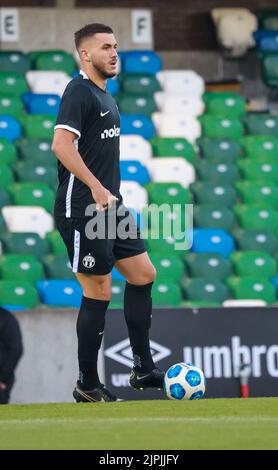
(184, 381)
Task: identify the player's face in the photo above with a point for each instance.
(102, 53)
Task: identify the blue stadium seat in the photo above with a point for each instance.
(10, 128)
(137, 124)
(141, 62)
(132, 170)
(274, 281)
(212, 241)
(67, 293)
(113, 86)
(42, 103)
(266, 40)
(117, 276)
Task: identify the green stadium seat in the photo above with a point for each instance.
(166, 294)
(12, 83)
(269, 64)
(117, 294)
(268, 19)
(260, 148)
(258, 193)
(257, 217)
(209, 216)
(139, 84)
(31, 172)
(39, 126)
(25, 244)
(32, 194)
(136, 104)
(221, 128)
(219, 150)
(7, 152)
(57, 267)
(161, 246)
(214, 194)
(261, 124)
(199, 304)
(202, 289)
(6, 176)
(55, 60)
(2, 225)
(11, 105)
(253, 264)
(21, 268)
(220, 172)
(258, 171)
(173, 147)
(207, 265)
(172, 218)
(251, 288)
(256, 240)
(57, 246)
(167, 193)
(18, 293)
(36, 150)
(14, 61)
(224, 104)
(4, 198)
(168, 267)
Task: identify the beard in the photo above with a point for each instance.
(101, 70)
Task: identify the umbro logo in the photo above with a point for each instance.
(104, 114)
(122, 353)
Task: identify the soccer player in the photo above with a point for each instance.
(86, 143)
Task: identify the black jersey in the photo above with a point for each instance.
(92, 114)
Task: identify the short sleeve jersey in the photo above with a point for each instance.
(92, 114)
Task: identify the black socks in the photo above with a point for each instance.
(90, 327)
(138, 311)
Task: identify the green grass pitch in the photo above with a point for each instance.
(144, 425)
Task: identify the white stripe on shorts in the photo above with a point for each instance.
(76, 251)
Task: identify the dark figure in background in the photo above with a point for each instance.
(11, 350)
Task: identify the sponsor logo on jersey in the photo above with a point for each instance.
(110, 133)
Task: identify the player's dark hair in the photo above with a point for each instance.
(90, 30)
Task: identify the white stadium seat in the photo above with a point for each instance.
(47, 82)
(177, 125)
(244, 303)
(186, 82)
(28, 219)
(135, 147)
(134, 195)
(172, 170)
(170, 103)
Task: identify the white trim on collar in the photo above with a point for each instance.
(84, 75)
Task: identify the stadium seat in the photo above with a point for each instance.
(63, 293)
(10, 128)
(161, 245)
(261, 124)
(39, 126)
(258, 193)
(260, 148)
(141, 61)
(173, 147)
(186, 82)
(113, 86)
(134, 195)
(117, 294)
(11, 105)
(47, 82)
(219, 150)
(209, 216)
(32, 194)
(257, 240)
(36, 150)
(258, 171)
(236, 303)
(220, 173)
(137, 84)
(257, 217)
(177, 125)
(6, 176)
(57, 267)
(169, 220)
(207, 265)
(202, 289)
(42, 103)
(116, 275)
(4, 196)
(172, 103)
(171, 170)
(33, 172)
(7, 152)
(221, 128)
(132, 170)
(14, 61)
(214, 194)
(224, 104)
(136, 104)
(13, 84)
(212, 241)
(17, 295)
(55, 60)
(137, 124)
(3, 226)
(166, 294)
(253, 264)
(252, 288)
(25, 244)
(135, 147)
(21, 267)
(266, 41)
(57, 246)
(27, 219)
(269, 64)
(168, 193)
(168, 267)
(268, 19)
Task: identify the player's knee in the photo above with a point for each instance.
(103, 289)
(146, 276)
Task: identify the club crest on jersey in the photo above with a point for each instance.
(89, 261)
(110, 133)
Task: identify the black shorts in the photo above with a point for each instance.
(96, 255)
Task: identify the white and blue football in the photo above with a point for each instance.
(184, 381)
